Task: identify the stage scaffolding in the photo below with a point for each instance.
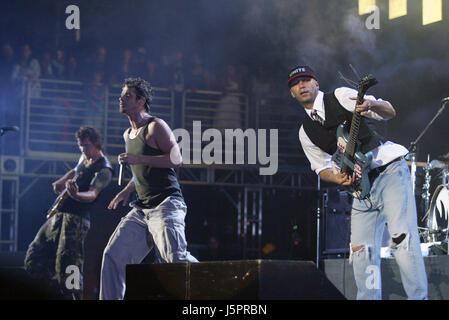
(51, 115)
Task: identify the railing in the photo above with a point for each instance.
(215, 109)
(273, 112)
(57, 110)
(54, 111)
(203, 110)
(52, 116)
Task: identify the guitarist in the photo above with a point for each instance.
(59, 243)
(390, 201)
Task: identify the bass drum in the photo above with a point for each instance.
(437, 178)
(438, 215)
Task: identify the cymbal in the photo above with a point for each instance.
(433, 164)
(418, 164)
(437, 164)
(444, 158)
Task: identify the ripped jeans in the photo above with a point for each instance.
(391, 201)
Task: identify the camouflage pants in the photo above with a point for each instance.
(57, 252)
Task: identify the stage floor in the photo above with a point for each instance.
(437, 269)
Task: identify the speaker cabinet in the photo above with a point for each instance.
(10, 165)
(229, 280)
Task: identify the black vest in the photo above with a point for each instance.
(325, 137)
(153, 185)
(85, 176)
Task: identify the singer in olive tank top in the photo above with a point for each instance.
(152, 184)
(157, 218)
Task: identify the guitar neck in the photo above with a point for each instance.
(351, 143)
(355, 128)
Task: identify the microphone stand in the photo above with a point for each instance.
(3, 131)
(318, 219)
(413, 145)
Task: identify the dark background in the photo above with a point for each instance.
(269, 37)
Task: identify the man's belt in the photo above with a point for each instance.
(374, 173)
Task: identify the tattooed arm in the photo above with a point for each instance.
(99, 182)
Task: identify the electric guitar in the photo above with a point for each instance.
(348, 158)
(60, 199)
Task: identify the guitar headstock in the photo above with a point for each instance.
(365, 83)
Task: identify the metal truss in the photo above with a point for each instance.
(48, 149)
(247, 176)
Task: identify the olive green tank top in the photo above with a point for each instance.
(153, 185)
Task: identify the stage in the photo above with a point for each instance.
(437, 269)
(264, 280)
(233, 84)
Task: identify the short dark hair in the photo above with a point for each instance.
(90, 133)
(143, 90)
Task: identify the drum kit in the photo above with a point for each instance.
(433, 198)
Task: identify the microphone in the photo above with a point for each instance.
(121, 173)
(14, 128)
(3, 130)
(445, 100)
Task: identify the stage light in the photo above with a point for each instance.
(432, 11)
(366, 6)
(397, 8)
(268, 248)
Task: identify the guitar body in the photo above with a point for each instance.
(358, 166)
(60, 200)
(57, 204)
